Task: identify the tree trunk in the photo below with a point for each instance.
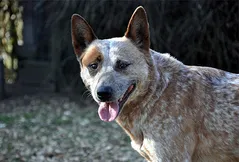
(2, 80)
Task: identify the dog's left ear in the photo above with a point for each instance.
(81, 33)
(138, 29)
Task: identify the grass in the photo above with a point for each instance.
(57, 126)
(61, 121)
(7, 119)
(28, 116)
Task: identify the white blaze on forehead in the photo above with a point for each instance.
(109, 48)
(121, 49)
(116, 47)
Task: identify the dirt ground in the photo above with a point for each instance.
(57, 128)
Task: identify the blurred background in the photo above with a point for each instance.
(45, 112)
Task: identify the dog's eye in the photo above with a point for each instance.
(93, 66)
(121, 65)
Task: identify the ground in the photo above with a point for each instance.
(56, 128)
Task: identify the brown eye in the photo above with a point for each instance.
(93, 66)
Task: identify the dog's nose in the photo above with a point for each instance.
(105, 93)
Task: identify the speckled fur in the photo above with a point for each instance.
(177, 112)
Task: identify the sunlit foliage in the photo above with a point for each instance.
(11, 26)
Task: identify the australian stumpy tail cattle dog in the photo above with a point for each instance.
(171, 111)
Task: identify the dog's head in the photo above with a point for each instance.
(114, 70)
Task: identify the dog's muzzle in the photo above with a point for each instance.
(105, 93)
(109, 108)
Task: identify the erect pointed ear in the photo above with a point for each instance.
(81, 33)
(138, 29)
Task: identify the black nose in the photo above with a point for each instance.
(105, 93)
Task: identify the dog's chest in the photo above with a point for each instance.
(158, 137)
(147, 149)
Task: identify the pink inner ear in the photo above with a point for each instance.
(77, 49)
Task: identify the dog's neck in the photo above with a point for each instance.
(133, 114)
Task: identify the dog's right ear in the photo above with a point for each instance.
(81, 33)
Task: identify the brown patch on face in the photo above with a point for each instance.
(91, 55)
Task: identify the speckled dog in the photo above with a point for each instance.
(172, 112)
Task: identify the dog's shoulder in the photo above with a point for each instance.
(223, 89)
(224, 85)
(221, 81)
(216, 76)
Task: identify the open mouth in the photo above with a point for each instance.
(126, 96)
(108, 111)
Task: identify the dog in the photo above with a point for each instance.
(171, 111)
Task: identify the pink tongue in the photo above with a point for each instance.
(108, 111)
